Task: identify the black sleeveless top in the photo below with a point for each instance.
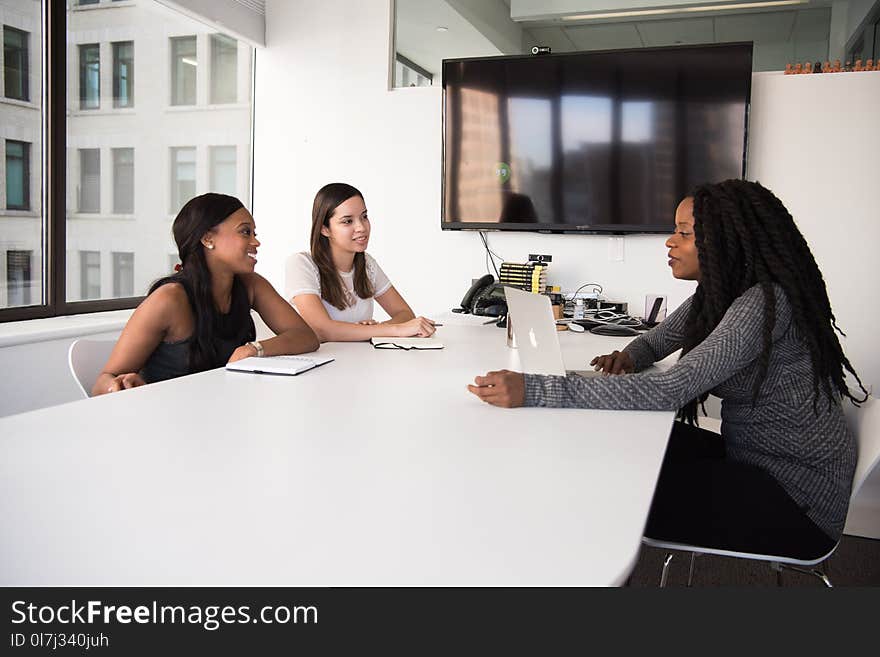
(171, 359)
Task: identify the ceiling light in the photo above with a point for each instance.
(442, 29)
(682, 10)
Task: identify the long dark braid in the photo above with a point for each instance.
(746, 237)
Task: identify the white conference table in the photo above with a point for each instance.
(376, 469)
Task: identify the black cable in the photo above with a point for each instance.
(490, 255)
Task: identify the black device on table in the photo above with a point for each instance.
(485, 297)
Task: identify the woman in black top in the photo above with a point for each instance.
(199, 318)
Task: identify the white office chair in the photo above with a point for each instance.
(86, 359)
(865, 424)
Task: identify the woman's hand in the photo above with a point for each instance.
(503, 388)
(244, 351)
(419, 327)
(125, 381)
(617, 362)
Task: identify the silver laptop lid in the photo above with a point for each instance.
(534, 328)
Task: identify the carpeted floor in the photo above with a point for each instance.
(855, 563)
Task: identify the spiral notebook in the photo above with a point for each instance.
(289, 365)
(406, 343)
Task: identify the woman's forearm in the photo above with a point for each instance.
(336, 331)
(299, 340)
(400, 317)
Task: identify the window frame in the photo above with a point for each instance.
(53, 167)
(116, 47)
(83, 75)
(116, 154)
(173, 42)
(28, 269)
(54, 170)
(26, 174)
(26, 63)
(217, 43)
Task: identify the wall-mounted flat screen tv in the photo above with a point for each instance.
(590, 142)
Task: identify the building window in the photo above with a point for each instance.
(18, 178)
(89, 76)
(183, 176)
(90, 274)
(223, 170)
(123, 274)
(15, 63)
(123, 74)
(103, 183)
(224, 69)
(123, 180)
(89, 180)
(18, 278)
(184, 67)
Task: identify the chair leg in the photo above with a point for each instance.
(665, 573)
(815, 572)
(694, 556)
(777, 567)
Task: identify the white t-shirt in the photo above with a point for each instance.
(302, 277)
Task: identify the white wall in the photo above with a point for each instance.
(323, 113)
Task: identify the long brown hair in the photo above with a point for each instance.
(328, 198)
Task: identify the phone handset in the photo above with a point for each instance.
(469, 297)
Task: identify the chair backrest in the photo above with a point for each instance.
(86, 359)
(865, 424)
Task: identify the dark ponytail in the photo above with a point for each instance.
(196, 218)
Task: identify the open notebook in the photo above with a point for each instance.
(406, 343)
(290, 365)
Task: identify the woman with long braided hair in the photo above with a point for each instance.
(760, 334)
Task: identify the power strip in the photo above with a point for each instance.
(580, 295)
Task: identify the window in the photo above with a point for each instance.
(123, 274)
(183, 177)
(15, 63)
(224, 69)
(18, 183)
(183, 70)
(223, 170)
(409, 74)
(89, 180)
(117, 176)
(89, 76)
(90, 274)
(18, 278)
(123, 74)
(123, 180)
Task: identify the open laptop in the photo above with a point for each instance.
(534, 329)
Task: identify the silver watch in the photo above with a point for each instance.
(259, 348)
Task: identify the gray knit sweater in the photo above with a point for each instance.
(813, 456)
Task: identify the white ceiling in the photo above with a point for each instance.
(781, 35)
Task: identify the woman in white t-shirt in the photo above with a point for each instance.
(333, 287)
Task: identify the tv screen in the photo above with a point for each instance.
(594, 142)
